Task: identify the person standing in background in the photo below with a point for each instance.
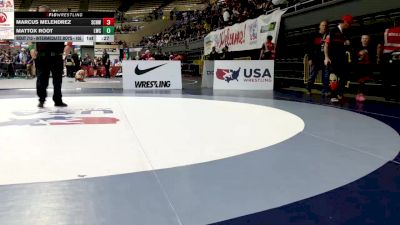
(70, 65)
(335, 54)
(77, 60)
(315, 52)
(106, 62)
(213, 55)
(226, 54)
(268, 49)
(365, 64)
(23, 56)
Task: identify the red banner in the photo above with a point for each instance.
(392, 40)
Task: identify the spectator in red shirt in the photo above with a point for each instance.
(146, 55)
(268, 49)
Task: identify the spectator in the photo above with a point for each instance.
(70, 65)
(30, 66)
(77, 61)
(280, 3)
(207, 27)
(268, 49)
(349, 62)
(365, 64)
(315, 52)
(176, 57)
(214, 55)
(155, 13)
(127, 28)
(225, 53)
(106, 62)
(10, 60)
(146, 55)
(23, 56)
(214, 16)
(390, 64)
(87, 61)
(226, 17)
(335, 54)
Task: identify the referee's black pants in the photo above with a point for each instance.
(45, 65)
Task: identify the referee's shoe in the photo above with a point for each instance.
(59, 104)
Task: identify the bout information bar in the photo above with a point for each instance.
(64, 38)
(64, 26)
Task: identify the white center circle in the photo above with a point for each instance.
(102, 136)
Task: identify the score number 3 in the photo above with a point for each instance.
(108, 21)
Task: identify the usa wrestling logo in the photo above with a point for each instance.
(61, 117)
(227, 74)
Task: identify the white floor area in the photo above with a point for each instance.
(101, 136)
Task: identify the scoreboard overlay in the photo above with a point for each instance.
(64, 26)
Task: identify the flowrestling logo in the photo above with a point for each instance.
(62, 117)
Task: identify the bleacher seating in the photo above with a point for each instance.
(184, 4)
(104, 5)
(147, 7)
(56, 5)
(17, 4)
(144, 7)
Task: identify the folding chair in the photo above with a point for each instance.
(3, 70)
(20, 70)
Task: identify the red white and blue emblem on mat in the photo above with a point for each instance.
(62, 117)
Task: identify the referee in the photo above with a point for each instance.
(49, 59)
